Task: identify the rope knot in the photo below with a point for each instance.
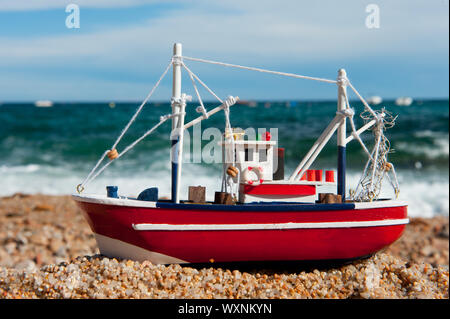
(181, 100)
(112, 154)
(346, 112)
(349, 112)
(342, 80)
(177, 60)
(164, 117)
(174, 100)
(201, 109)
(185, 97)
(229, 101)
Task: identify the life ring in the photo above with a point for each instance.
(257, 170)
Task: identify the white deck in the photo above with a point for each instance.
(103, 199)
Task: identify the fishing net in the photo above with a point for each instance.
(377, 167)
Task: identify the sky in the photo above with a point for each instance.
(122, 47)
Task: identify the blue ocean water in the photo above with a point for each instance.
(51, 150)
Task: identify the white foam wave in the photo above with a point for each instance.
(440, 147)
(20, 168)
(429, 133)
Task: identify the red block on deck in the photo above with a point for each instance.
(318, 175)
(329, 176)
(311, 175)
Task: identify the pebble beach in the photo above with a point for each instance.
(48, 251)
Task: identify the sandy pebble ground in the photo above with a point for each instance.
(48, 251)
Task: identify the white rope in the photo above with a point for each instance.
(227, 181)
(363, 101)
(129, 147)
(95, 167)
(140, 107)
(89, 178)
(394, 183)
(352, 124)
(364, 173)
(201, 108)
(375, 159)
(201, 82)
(261, 70)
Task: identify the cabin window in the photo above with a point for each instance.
(262, 155)
(248, 154)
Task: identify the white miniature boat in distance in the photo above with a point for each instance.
(374, 100)
(43, 103)
(404, 101)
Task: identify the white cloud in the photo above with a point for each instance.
(263, 33)
(268, 30)
(29, 5)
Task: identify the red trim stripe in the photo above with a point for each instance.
(280, 189)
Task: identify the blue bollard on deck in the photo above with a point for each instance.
(111, 191)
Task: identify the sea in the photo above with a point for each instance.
(50, 150)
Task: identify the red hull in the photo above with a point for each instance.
(343, 233)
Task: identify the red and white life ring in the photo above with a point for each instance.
(257, 170)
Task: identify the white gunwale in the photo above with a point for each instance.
(103, 199)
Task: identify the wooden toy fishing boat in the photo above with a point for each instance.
(257, 215)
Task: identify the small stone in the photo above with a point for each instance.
(38, 239)
(443, 233)
(21, 239)
(10, 248)
(26, 265)
(427, 251)
(43, 207)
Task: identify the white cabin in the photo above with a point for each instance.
(256, 163)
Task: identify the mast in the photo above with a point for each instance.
(341, 133)
(178, 106)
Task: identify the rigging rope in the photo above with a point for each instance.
(81, 186)
(261, 70)
(352, 124)
(201, 82)
(201, 108)
(89, 178)
(230, 152)
(141, 106)
(368, 108)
